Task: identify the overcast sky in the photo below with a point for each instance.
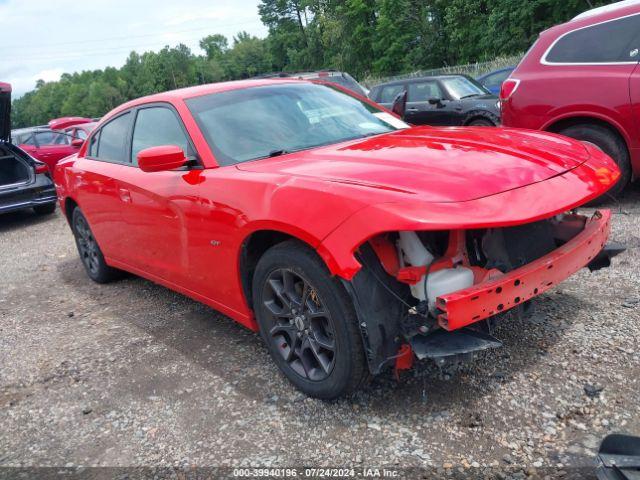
(45, 38)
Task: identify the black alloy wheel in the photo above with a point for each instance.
(302, 329)
(87, 245)
(308, 322)
(89, 251)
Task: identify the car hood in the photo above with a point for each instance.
(5, 111)
(436, 164)
(488, 97)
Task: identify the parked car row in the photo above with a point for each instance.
(59, 139)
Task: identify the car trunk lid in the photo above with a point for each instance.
(5, 111)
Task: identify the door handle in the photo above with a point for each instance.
(412, 109)
(125, 195)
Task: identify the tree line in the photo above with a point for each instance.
(362, 37)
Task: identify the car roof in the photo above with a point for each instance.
(201, 90)
(419, 79)
(607, 9)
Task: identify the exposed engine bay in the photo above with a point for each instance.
(437, 294)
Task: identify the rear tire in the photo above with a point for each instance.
(481, 118)
(47, 209)
(609, 143)
(89, 251)
(481, 122)
(315, 342)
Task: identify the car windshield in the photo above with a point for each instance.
(463, 87)
(260, 122)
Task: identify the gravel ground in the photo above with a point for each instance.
(132, 374)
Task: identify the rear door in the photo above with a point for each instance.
(96, 178)
(160, 209)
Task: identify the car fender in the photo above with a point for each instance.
(595, 113)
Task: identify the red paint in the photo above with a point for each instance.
(548, 94)
(404, 360)
(507, 291)
(185, 230)
(159, 159)
(66, 122)
(387, 254)
(49, 153)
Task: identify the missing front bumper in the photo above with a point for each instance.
(483, 300)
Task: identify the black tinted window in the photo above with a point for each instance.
(389, 93)
(112, 139)
(93, 146)
(614, 41)
(154, 127)
(423, 91)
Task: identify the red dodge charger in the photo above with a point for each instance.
(352, 242)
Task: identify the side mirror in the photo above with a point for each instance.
(400, 104)
(159, 159)
(77, 142)
(435, 101)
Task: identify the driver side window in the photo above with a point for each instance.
(156, 126)
(423, 91)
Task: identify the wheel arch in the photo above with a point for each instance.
(258, 241)
(69, 206)
(559, 124)
(480, 114)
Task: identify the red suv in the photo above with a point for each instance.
(581, 79)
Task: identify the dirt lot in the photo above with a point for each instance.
(132, 374)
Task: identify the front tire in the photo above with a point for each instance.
(90, 253)
(609, 143)
(308, 322)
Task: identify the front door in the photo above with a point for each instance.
(427, 104)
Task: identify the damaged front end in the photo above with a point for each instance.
(437, 294)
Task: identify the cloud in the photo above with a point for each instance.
(44, 39)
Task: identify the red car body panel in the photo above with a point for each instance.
(186, 230)
(50, 154)
(549, 93)
(65, 122)
(487, 298)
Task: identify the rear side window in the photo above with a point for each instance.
(389, 93)
(112, 140)
(496, 79)
(610, 42)
(157, 126)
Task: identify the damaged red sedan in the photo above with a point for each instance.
(352, 242)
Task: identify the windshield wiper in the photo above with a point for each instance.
(277, 153)
(470, 95)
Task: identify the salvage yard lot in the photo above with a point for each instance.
(131, 373)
